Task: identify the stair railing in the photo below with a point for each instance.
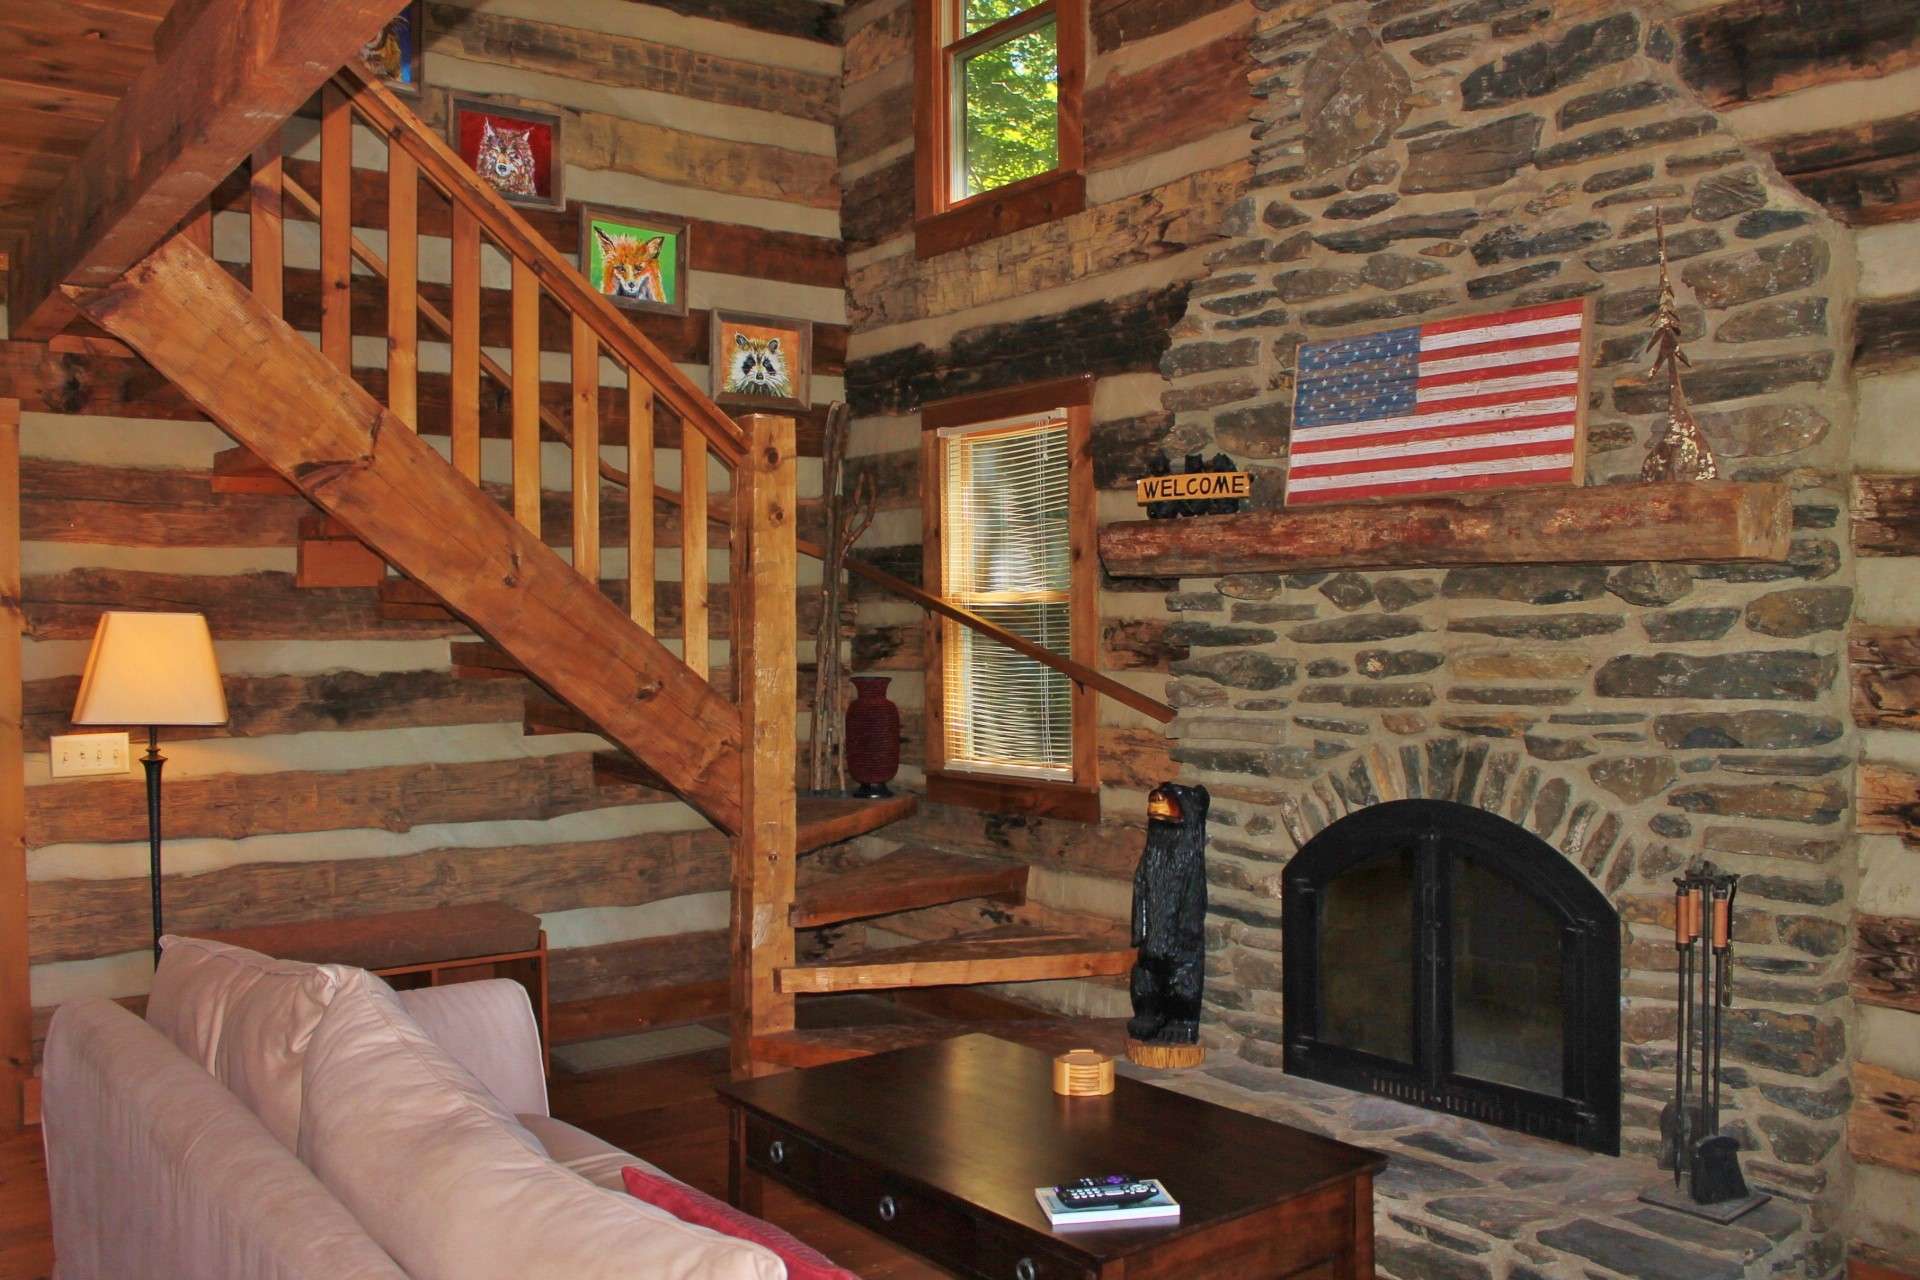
(547, 296)
(425, 180)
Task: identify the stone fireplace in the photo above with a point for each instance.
(1447, 957)
(1619, 718)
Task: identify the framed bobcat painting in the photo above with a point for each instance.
(393, 56)
(761, 362)
(635, 259)
(514, 150)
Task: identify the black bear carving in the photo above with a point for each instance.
(1170, 918)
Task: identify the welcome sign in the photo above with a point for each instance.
(1196, 486)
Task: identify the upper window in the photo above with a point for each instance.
(1010, 531)
(998, 114)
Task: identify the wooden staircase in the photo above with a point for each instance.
(592, 648)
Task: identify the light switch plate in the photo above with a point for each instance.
(79, 755)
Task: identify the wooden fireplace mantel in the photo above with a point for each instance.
(1694, 523)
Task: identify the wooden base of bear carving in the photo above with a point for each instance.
(1165, 1057)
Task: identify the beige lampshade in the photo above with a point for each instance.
(151, 669)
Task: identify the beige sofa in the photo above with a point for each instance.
(280, 1121)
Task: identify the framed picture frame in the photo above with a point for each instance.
(761, 362)
(515, 150)
(635, 259)
(393, 57)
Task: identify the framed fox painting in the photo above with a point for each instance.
(761, 362)
(513, 150)
(635, 259)
(393, 56)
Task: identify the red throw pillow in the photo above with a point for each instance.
(691, 1205)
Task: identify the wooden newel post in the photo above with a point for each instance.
(765, 629)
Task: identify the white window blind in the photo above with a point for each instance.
(1004, 508)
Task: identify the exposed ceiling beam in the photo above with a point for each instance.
(227, 79)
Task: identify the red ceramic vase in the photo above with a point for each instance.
(873, 737)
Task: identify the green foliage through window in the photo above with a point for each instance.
(981, 14)
(1010, 112)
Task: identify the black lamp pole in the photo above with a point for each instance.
(151, 762)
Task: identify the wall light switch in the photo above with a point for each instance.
(79, 755)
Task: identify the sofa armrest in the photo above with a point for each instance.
(488, 1028)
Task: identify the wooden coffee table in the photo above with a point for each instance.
(939, 1149)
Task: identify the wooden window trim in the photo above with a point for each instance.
(1078, 800)
(943, 224)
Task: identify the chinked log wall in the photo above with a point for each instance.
(1099, 292)
(358, 773)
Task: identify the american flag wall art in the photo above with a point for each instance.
(1481, 402)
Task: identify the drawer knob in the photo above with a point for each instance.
(777, 1152)
(888, 1209)
(1024, 1269)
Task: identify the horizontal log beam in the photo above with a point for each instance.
(330, 702)
(81, 919)
(1886, 961)
(234, 806)
(1885, 666)
(1752, 50)
(640, 965)
(1889, 801)
(231, 76)
(1884, 1126)
(241, 606)
(1694, 523)
(1886, 515)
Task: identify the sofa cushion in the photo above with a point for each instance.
(690, 1204)
(473, 1195)
(155, 1169)
(245, 1017)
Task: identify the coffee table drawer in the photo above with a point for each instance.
(931, 1225)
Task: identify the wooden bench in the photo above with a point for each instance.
(418, 948)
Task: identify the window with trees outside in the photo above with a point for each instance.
(998, 115)
(1010, 522)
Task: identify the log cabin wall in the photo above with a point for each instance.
(359, 774)
(1102, 292)
(1854, 145)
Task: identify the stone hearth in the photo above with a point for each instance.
(1461, 1201)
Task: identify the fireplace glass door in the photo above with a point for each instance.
(1443, 956)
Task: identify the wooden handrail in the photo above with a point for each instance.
(373, 262)
(1081, 675)
(443, 168)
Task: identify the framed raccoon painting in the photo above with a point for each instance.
(761, 362)
(514, 150)
(393, 56)
(635, 259)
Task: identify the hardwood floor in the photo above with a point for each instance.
(26, 1240)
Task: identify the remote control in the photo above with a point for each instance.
(1103, 1195)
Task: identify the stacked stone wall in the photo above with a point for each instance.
(1427, 160)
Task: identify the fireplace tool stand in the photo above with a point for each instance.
(1707, 1182)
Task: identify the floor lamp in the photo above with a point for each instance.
(151, 669)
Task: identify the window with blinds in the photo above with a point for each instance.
(1007, 556)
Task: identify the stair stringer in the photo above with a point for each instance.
(274, 392)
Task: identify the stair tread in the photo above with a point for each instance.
(813, 1047)
(825, 820)
(1009, 953)
(901, 881)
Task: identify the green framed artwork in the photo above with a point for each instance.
(635, 259)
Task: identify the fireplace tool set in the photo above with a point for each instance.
(1706, 1162)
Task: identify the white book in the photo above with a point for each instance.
(1161, 1207)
